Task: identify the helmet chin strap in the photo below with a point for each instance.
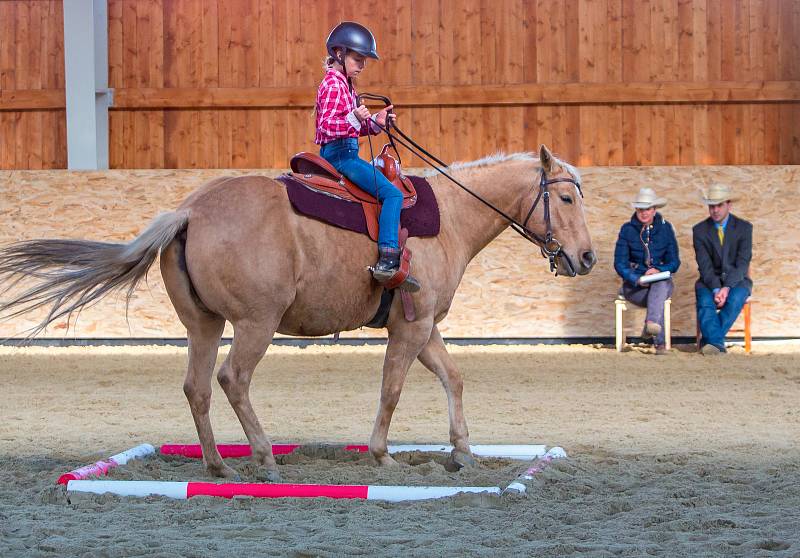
(342, 61)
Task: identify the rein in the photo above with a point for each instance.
(550, 247)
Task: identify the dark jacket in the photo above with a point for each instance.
(727, 265)
(630, 254)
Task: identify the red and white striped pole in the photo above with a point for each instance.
(538, 466)
(101, 468)
(521, 452)
(185, 490)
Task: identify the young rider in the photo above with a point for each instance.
(340, 123)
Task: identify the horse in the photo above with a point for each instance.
(236, 251)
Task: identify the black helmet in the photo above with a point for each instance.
(352, 36)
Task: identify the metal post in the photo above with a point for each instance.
(86, 72)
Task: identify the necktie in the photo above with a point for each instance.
(721, 234)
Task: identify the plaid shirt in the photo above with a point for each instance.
(335, 106)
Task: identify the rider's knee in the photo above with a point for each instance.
(392, 194)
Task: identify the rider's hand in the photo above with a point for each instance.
(381, 116)
(362, 113)
(651, 270)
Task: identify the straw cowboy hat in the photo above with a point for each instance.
(718, 193)
(647, 198)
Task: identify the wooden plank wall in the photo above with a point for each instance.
(507, 290)
(256, 46)
(32, 60)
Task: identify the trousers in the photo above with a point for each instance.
(652, 297)
(343, 155)
(715, 323)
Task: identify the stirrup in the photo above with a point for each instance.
(396, 279)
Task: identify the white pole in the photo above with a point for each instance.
(140, 489)
(408, 493)
(86, 75)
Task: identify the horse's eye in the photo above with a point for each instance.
(566, 199)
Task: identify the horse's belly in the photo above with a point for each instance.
(329, 310)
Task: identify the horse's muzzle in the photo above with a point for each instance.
(565, 266)
(588, 260)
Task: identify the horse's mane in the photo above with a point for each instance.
(501, 157)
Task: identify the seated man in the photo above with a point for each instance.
(723, 245)
(647, 245)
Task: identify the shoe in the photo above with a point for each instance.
(661, 350)
(710, 350)
(651, 329)
(387, 265)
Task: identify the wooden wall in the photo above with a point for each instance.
(229, 83)
(507, 290)
(32, 75)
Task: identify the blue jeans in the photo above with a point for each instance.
(343, 155)
(714, 324)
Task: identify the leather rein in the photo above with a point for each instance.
(550, 246)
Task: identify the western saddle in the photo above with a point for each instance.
(318, 174)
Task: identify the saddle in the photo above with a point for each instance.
(316, 173)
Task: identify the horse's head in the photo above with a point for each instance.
(558, 216)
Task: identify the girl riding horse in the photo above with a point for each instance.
(339, 125)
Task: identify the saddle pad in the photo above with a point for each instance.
(421, 220)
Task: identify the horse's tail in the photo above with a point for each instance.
(69, 275)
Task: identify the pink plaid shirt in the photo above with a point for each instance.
(335, 106)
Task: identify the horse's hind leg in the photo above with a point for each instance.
(204, 331)
(203, 347)
(250, 342)
(434, 357)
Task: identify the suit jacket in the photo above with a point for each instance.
(727, 265)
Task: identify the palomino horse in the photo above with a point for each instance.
(236, 251)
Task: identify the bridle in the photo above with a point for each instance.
(549, 245)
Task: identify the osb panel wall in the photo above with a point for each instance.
(507, 291)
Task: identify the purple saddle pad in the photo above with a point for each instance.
(421, 220)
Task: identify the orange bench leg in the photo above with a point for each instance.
(748, 339)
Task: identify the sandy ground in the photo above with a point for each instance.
(672, 456)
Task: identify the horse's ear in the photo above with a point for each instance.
(546, 158)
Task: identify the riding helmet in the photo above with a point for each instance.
(352, 36)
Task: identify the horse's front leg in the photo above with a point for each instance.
(405, 343)
(434, 357)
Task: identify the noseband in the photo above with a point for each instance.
(550, 246)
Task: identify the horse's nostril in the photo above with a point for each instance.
(588, 258)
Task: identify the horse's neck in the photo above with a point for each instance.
(471, 224)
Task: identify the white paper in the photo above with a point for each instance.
(652, 278)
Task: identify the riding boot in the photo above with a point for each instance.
(388, 264)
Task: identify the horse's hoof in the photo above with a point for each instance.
(387, 461)
(459, 459)
(225, 472)
(268, 475)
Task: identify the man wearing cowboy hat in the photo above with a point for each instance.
(723, 245)
(646, 245)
